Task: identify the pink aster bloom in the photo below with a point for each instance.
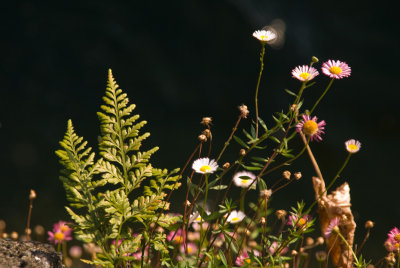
(304, 73)
(176, 237)
(61, 232)
(333, 224)
(293, 219)
(243, 258)
(336, 69)
(274, 246)
(311, 127)
(191, 248)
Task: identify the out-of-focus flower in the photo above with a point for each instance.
(61, 232)
(176, 237)
(304, 73)
(75, 252)
(244, 179)
(274, 246)
(191, 248)
(334, 223)
(243, 258)
(353, 146)
(393, 241)
(264, 36)
(293, 219)
(311, 127)
(236, 216)
(204, 165)
(336, 69)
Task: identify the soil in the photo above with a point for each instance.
(28, 254)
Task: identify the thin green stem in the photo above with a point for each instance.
(242, 200)
(258, 84)
(323, 94)
(348, 246)
(398, 259)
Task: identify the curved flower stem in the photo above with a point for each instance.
(258, 85)
(323, 94)
(242, 200)
(206, 192)
(230, 138)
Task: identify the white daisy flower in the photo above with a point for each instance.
(244, 179)
(304, 73)
(264, 35)
(196, 217)
(205, 165)
(236, 216)
(353, 146)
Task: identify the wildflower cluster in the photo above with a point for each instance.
(226, 215)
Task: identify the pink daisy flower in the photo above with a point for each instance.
(336, 69)
(293, 220)
(333, 224)
(191, 248)
(353, 146)
(304, 73)
(311, 127)
(176, 237)
(243, 258)
(61, 232)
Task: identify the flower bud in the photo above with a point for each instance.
(202, 138)
(320, 240)
(242, 152)
(294, 252)
(244, 112)
(314, 59)
(207, 133)
(226, 165)
(266, 194)
(309, 241)
(14, 235)
(206, 121)
(280, 214)
(286, 174)
(297, 175)
(320, 256)
(262, 220)
(369, 224)
(32, 195)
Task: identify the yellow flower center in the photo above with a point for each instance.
(310, 127)
(301, 222)
(335, 70)
(189, 249)
(205, 168)
(247, 260)
(263, 37)
(397, 237)
(59, 236)
(198, 218)
(244, 181)
(352, 147)
(235, 219)
(178, 239)
(304, 75)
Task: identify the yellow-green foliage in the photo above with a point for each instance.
(101, 193)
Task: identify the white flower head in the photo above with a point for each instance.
(353, 146)
(244, 179)
(236, 216)
(205, 165)
(196, 217)
(264, 35)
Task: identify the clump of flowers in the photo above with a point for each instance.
(393, 241)
(311, 127)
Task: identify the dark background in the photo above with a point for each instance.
(182, 60)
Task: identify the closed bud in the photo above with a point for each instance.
(314, 59)
(32, 195)
(206, 121)
(14, 235)
(286, 174)
(309, 241)
(266, 194)
(226, 165)
(187, 203)
(280, 214)
(320, 240)
(244, 112)
(391, 259)
(207, 133)
(369, 224)
(28, 231)
(262, 220)
(202, 138)
(294, 252)
(297, 175)
(242, 152)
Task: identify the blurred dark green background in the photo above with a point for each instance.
(182, 60)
